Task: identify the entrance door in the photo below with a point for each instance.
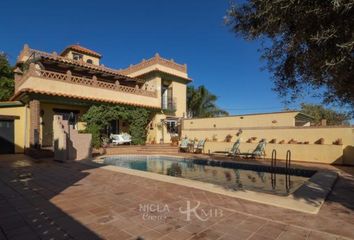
(113, 127)
(7, 136)
(70, 115)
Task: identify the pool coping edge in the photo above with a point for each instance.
(308, 198)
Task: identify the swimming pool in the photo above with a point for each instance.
(232, 176)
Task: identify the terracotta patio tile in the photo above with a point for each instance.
(151, 235)
(320, 236)
(210, 234)
(270, 230)
(93, 198)
(229, 237)
(136, 230)
(251, 224)
(292, 233)
(165, 228)
(260, 237)
(118, 235)
(165, 238)
(179, 234)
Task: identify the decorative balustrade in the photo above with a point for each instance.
(154, 60)
(33, 53)
(169, 107)
(94, 82)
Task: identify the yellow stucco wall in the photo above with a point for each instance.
(21, 130)
(85, 57)
(257, 120)
(46, 137)
(179, 92)
(155, 134)
(179, 87)
(161, 68)
(89, 92)
(328, 154)
(259, 128)
(300, 134)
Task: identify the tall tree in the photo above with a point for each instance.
(305, 43)
(319, 112)
(201, 103)
(6, 78)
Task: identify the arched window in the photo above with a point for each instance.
(89, 61)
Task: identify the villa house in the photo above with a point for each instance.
(67, 84)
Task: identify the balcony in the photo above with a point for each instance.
(169, 107)
(90, 88)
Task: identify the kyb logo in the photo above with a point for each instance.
(199, 212)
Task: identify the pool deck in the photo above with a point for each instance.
(50, 200)
(309, 198)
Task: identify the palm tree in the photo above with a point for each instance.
(201, 103)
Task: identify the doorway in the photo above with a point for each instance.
(7, 136)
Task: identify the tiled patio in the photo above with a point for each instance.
(50, 200)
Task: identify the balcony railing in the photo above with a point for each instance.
(91, 82)
(170, 107)
(33, 54)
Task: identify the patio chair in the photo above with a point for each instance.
(259, 151)
(184, 146)
(120, 139)
(200, 146)
(233, 152)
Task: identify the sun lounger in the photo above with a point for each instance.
(232, 152)
(200, 146)
(119, 139)
(184, 146)
(259, 151)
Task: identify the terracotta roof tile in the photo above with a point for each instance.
(29, 90)
(81, 49)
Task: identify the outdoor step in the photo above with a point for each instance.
(160, 150)
(143, 149)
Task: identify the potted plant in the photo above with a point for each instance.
(228, 138)
(174, 140)
(339, 141)
(105, 141)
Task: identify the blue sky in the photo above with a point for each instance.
(125, 32)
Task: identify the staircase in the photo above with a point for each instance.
(148, 149)
(69, 144)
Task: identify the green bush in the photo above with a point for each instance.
(98, 117)
(95, 132)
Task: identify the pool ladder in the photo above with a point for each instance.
(287, 169)
(273, 175)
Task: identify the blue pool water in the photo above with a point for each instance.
(230, 175)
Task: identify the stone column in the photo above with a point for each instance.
(34, 123)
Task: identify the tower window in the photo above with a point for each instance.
(77, 56)
(89, 61)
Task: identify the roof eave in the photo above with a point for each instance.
(24, 92)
